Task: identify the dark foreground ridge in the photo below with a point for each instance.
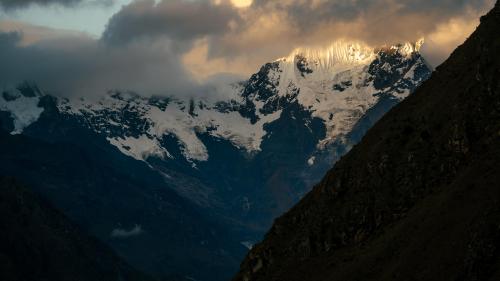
(39, 243)
(417, 199)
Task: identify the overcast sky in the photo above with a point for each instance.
(173, 46)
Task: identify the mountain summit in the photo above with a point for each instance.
(417, 199)
(340, 83)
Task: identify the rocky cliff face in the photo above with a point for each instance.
(417, 199)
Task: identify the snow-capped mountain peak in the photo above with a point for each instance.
(337, 85)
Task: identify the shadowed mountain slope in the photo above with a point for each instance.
(418, 198)
(39, 243)
(121, 202)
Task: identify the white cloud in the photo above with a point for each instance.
(123, 233)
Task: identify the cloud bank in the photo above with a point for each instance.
(23, 3)
(276, 27)
(18, 4)
(80, 65)
(167, 47)
(176, 20)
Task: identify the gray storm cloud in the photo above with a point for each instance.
(178, 20)
(17, 4)
(24, 3)
(84, 66)
(141, 50)
(145, 45)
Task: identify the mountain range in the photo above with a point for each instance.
(182, 187)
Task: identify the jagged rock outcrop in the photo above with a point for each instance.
(417, 199)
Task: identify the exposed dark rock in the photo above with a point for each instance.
(6, 121)
(29, 90)
(303, 65)
(342, 86)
